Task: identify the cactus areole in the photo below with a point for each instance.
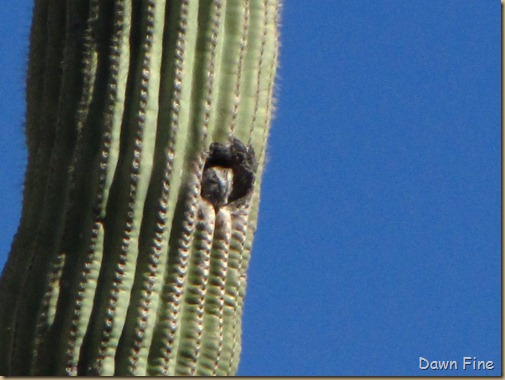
(146, 129)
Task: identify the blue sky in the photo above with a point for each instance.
(379, 232)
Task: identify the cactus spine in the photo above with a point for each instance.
(119, 265)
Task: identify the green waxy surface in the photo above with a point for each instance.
(119, 267)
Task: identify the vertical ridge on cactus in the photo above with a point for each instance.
(120, 266)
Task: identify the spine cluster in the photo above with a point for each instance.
(120, 266)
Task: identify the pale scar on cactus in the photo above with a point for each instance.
(146, 127)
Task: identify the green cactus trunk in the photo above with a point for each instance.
(120, 266)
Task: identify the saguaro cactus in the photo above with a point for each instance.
(146, 129)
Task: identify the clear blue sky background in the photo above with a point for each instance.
(379, 232)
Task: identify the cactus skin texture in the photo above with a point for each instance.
(120, 266)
